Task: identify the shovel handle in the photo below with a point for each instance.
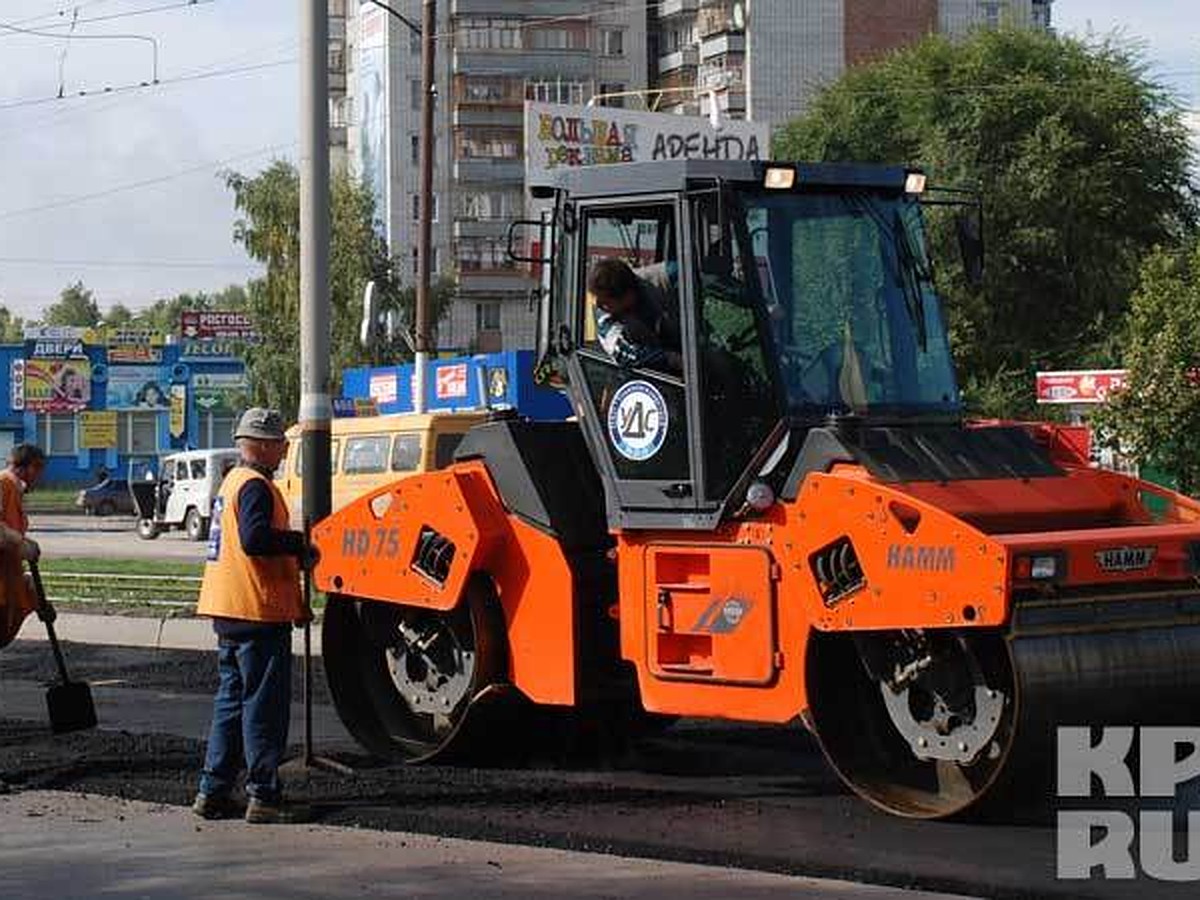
(40, 593)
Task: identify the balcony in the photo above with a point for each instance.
(569, 65)
(686, 58)
(493, 116)
(483, 169)
(531, 8)
(337, 81)
(481, 228)
(494, 281)
(671, 8)
(722, 45)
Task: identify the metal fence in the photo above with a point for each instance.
(108, 589)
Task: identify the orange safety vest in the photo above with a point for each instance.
(16, 600)
(238, 586)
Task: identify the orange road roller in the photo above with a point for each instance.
(777, 513)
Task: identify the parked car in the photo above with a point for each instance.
(108, 498)
(177, 491)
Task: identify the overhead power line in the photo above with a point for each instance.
(211, 165)
(140, 86)
(129, 14)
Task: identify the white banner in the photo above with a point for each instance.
(559, 137)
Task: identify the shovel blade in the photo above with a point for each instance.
(71, 708)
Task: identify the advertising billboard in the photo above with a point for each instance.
(1080, 385)
(57, 385)
(138, 387)
(374, 105)
(559, 137)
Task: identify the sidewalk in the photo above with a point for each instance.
(165, 633)
(71, 846)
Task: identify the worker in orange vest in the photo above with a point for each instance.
(26, 463)
(251, 590)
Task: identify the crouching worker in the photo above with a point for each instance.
(26, 463)
(251, 591)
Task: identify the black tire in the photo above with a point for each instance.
(195, 525)
(148, 529)
(106, 508)
(359, 656)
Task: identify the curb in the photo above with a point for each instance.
(166, 633)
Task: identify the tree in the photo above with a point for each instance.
(75, 307)
(118, 316)
(163, 315)
(269, 229)
(1157, 414)
(12, 328)
(1082, 163)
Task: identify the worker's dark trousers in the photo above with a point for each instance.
(250, 713)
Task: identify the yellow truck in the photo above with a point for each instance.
(374, 451)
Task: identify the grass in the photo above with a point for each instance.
(52, 565)
(52, 500)
(127, 596)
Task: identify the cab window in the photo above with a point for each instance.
(199, 468)
(366, 455)
(406, 452)
(181, 470)
(444, 450)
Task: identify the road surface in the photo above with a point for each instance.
(111, 537)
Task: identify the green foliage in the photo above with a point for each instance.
(269, 229)
(118, 316)
(1157, 416)
(75, 307)
(1082, 164)
(12, 328)
(163, 315)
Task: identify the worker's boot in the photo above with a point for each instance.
(263, 812)
(219, 806)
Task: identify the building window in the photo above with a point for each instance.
(483, 255)
(488, 34)
(215, 431)
(414, 87)
(137, 432)
(56, 435)
(485, 145)
(608, 88)
(557, 91)
(433, 261)
(416, 207)
(483, 206)
(487, 316)
(416, 149)
(612, 42)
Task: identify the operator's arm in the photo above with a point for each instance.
(623, 347)
(258, 537)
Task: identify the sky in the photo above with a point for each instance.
(163, 220)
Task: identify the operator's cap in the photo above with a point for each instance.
(260, 424)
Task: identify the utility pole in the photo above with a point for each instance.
(316, 408)
(425, 203)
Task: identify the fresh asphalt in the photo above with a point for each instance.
(704, 792)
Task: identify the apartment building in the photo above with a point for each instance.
(492, 56)
(338, 102)
(764, 59)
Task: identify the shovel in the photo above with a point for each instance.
(69, 702)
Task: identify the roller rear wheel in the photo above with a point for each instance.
(405, 681)
(920, 724)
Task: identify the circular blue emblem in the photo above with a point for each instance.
(637, 420)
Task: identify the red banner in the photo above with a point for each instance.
(1080, 386)
(225, 326)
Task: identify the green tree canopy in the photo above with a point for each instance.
(163, 315)
(1157, 415)
(1082, 162)
(118, 316)
(75, 307)
(12, 328)
(269, 229)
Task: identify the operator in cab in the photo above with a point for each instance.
(251, 590)
(632, 320)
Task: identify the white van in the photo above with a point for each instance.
(177, 491)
